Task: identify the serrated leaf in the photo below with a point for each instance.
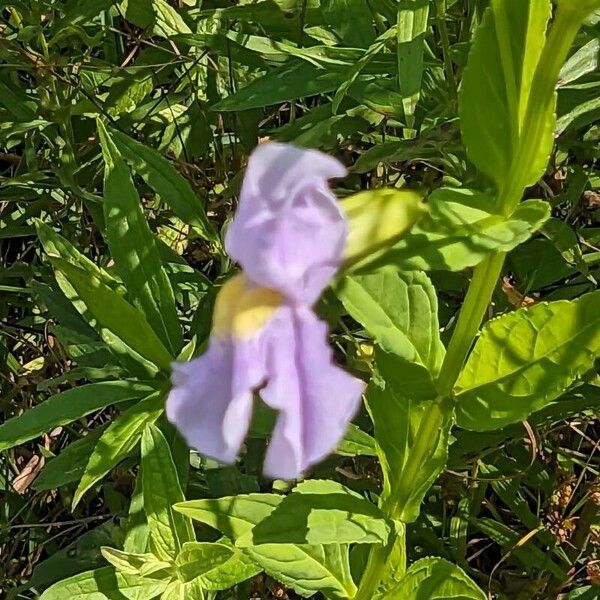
(119, 439)
(496, 86)
(525, 359)
(65, 408)
(320, 512)
(436, 579)
(164, 179)
(104, 584)
(169, 530)
(121, 326)
(133, 247)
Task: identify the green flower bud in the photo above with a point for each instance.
(377, 219)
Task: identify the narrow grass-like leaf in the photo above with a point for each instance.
(164, 179)
(122, 326)
(119, 439)
(412, 25)
(133, 247)
(65, 408)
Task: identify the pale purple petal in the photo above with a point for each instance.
(315, 398)
(212, 396)
(288, 232)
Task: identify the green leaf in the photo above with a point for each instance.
(411, 435)
(461, 229)
(239, 567)
(133, 247)
(56, 245)
(119, 439)
(306, 569)
(496, 87)
(137, 564)
(169, 530)
(164, 179)
(584, 61)
(105, 584)
(320, 512)
(122, 327)
(65, 408)
(356, 442)
(234, 516)
(289, 82)
(525, 359)
(400, 311)
(168, 21)
(355, 32)
(197, 559)
(436, 579)
(69, 465)
(412, 26)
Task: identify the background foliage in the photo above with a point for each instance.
(126, 122)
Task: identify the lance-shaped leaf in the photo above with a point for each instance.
(400, 311)
(525, 359)
(197, 559)
(411, 436)
(436, 579)
(122, 326)
(496, 87)
(164, 179)
(461, 229)
(320, 512)
(305, 568)
(66, 407)
(412, 25)
(169, 530)
(133, 247)
(119, 439)
(105, 584)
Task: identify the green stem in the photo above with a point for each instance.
(478, 297)
(485, 277)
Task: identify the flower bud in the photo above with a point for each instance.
(377, 219)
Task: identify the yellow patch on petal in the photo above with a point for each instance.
(241, 310)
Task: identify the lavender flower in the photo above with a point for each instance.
(289, 237)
